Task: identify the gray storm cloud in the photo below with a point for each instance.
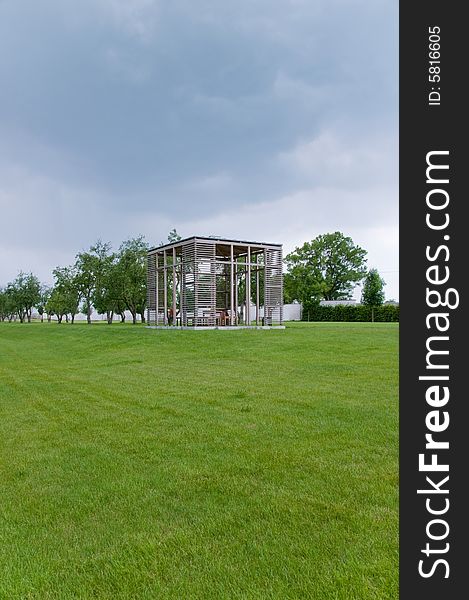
(265, 119)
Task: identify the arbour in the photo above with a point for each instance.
(205, 281)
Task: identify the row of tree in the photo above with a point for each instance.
(328, 268)
(109, 282)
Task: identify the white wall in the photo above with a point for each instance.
(291, 312)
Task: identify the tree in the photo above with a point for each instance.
(45, 293)
(290, 288)
(326, 268)
(90, 267)
(24, 293)
(373, 290)
(14, 294)
(120, 309)
(7, 305)
(4, 304)
(132, 274)
(67, 291)
(56, 304)
(173, 236)
(107, 297)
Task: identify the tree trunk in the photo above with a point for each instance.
(122, 315)
(49, 317)
(73, 318)
(142, 316)
(59, 319)
(88, 313)
(110, 316)
(134, 317)
(66, 317)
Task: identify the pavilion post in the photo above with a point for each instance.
(257, 289)
(181, 293)
(266, 310)
(157, 290)
(232, 302)
(165, 286)
(236, 292)
(174, 287)
(248, 288)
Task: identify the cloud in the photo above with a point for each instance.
(260, 118)
(352, 163)
(136, 18)
(124, 66)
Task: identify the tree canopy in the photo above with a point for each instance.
(132, 275)
(373, 289)
(327, 268)
(21, 296)
(90, 267)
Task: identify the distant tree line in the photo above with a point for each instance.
(327, 268)
(109, 282)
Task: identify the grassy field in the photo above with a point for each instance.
(143, 464)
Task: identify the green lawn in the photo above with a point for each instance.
(145, 464)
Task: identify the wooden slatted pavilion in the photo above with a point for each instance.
(205, 282)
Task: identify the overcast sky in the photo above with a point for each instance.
(270, 120)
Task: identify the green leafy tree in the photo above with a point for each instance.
(32, 294)
(90, 267)
(45, 293)
(326, 268)
(173, 236)
(108, 295)
(373, 290)
(7, 304)
(4, 304)
(131, 271)
(56, 304)
(15, 293)
(67, 288)
(24, 293)
(290, 288)
(120, 310)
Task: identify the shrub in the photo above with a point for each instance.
(358, 312)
